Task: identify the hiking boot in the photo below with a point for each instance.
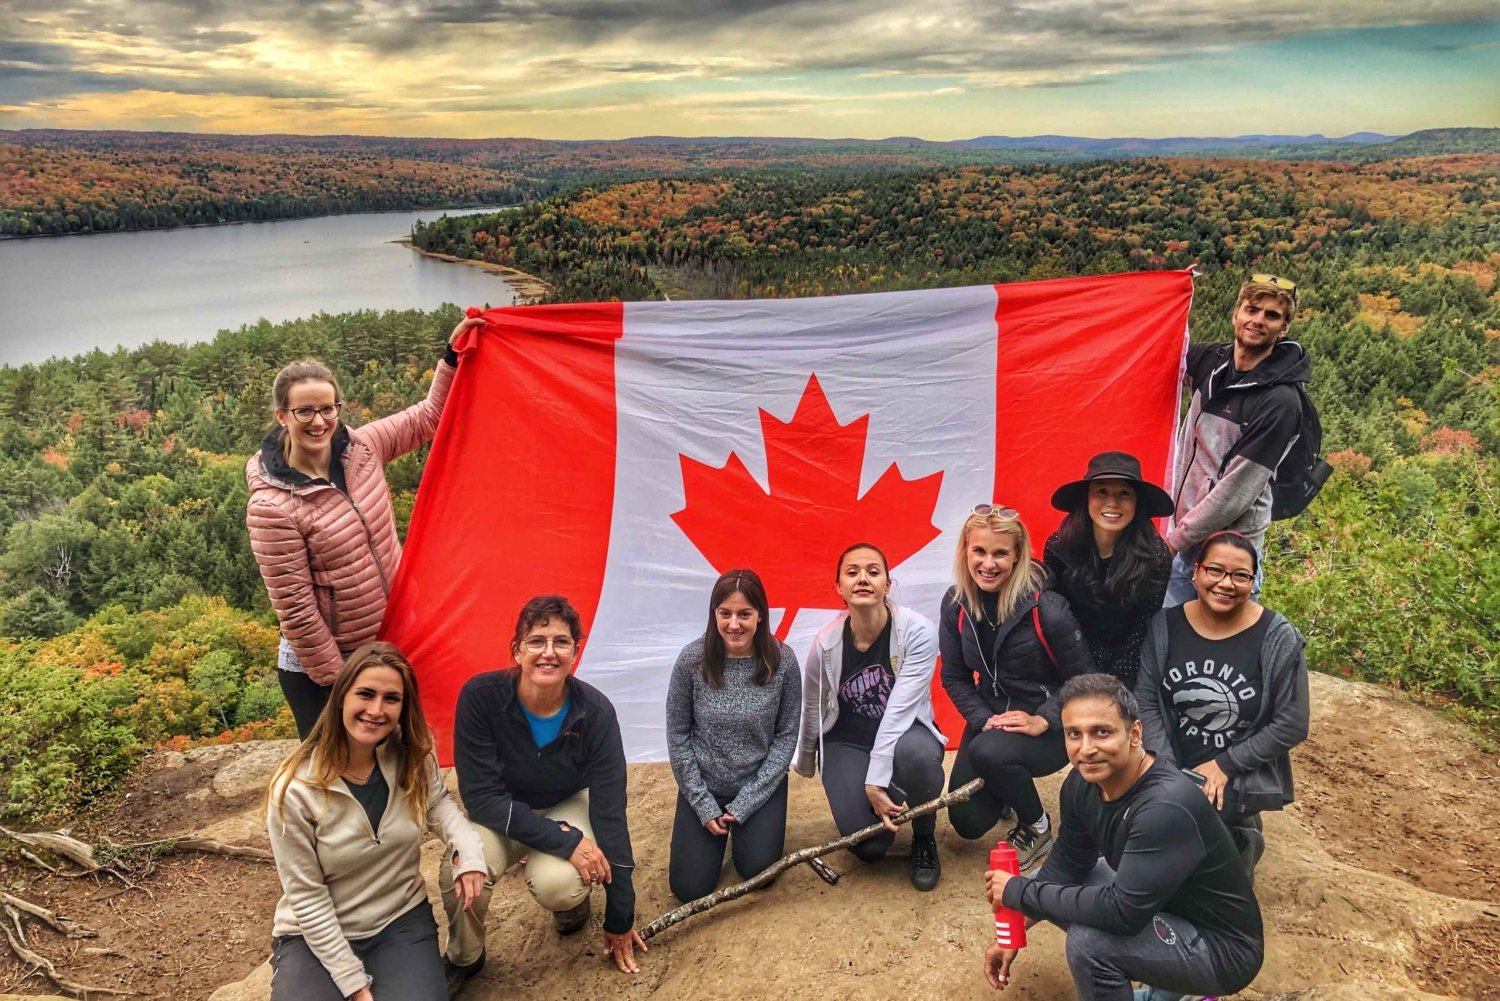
(568, 921)
(925, 867)
(456, 976)
(1030, 844)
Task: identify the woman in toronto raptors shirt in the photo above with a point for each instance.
(1223, 691)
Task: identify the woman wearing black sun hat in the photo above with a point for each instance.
(1108, 559)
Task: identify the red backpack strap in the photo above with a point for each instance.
(960, 620)
(1036, 622)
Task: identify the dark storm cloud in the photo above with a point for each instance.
(20, 84)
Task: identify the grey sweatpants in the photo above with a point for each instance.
(1169, 954)
(916, 778)
(402, 960)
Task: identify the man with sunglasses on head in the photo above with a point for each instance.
(1245, 415)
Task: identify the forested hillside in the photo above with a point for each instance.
(45, 192)
(136, 616)
(56, 181)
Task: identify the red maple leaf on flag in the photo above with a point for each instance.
(792, 534)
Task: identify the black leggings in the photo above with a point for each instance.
(1007, 762)
(698, 856)
(305, 696)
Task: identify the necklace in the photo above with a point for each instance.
(1140, 769)
(991, 670)
(358, 779)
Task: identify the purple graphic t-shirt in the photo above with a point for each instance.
(864, 689)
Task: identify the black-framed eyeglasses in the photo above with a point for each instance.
(1216, 573)
(329, 411)
(995, 510)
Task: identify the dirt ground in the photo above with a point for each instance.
(1381, 882)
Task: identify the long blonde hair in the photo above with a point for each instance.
(327, 744)
(1026, 575)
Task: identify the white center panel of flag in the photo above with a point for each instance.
(691, 381)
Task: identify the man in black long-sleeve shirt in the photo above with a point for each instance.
(541, 769)
(1144, 877)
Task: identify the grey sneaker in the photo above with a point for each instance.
(569, 921)
(1030, 844)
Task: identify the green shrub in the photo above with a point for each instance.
(82, 706)
(1394, 576)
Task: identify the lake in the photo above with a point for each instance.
(66, 295)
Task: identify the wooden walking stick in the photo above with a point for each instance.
(765, 876)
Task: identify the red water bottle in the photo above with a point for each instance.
(1010, 926)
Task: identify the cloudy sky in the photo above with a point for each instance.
(572, 69)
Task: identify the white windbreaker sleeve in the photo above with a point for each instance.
(910, 693)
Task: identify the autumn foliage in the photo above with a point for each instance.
(132, 610)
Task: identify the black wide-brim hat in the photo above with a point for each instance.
(1156, 502)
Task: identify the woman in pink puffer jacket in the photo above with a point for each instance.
(321, 524)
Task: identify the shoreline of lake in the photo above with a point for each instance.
(528, 287)
(443, 210)
(186, 284)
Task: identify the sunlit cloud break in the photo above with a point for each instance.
(520, 60)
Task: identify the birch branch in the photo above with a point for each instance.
(687, 910)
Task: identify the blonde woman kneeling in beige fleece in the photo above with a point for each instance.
(346, 813)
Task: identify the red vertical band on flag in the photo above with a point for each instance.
(1077, 354)
(536, 395)
(1082, 366)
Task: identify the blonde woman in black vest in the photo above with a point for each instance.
(1008, 645)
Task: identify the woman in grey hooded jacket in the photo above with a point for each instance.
(1223, 691)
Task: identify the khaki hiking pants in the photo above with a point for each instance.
(553, 881)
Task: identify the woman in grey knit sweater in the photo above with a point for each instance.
(733, 706)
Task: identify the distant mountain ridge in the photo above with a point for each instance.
(613, 157)
(1171, 144)
(1472, 139)
(1134, 145)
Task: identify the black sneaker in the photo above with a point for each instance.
(569, 921)
(456, 976)
(925, 867)
(1030, 844)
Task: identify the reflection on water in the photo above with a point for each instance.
(66, 295)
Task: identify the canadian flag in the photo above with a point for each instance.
(624, 455)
